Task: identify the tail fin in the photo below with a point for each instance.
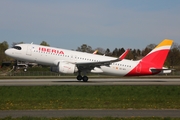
(158, 55)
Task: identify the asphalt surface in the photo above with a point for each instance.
(90, 113)
(42, 82)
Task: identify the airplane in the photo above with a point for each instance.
(70, 62)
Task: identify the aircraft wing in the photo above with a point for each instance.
(124, 54)
(91, 65)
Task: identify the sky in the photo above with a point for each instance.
(98, 23)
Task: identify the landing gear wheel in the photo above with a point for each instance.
(79, 77)
(85, 78)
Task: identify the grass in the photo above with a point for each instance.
(89, 118)
(89, 97)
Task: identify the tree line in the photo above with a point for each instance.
(172, 61)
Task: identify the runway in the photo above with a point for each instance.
(49, 82)
(90, 113)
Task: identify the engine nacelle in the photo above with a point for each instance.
(65, 67)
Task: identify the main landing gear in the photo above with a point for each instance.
(84, 78)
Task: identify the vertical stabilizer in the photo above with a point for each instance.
(158, 55)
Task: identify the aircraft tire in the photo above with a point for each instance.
(85, 78)
(79, 77)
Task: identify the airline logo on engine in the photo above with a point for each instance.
(50, 50)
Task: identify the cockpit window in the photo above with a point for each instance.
(17, 47)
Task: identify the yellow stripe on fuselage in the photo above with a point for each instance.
(165, 42)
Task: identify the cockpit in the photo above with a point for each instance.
(17, 47)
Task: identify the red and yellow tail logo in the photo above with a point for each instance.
(158, 55)
(153, 61)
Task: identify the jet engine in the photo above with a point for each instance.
(64, 67)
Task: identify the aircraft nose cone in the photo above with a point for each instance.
(7, 52)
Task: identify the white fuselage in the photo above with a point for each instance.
(50, 56)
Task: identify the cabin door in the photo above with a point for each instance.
(29, 50)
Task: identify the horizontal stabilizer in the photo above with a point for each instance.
(164, 70)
